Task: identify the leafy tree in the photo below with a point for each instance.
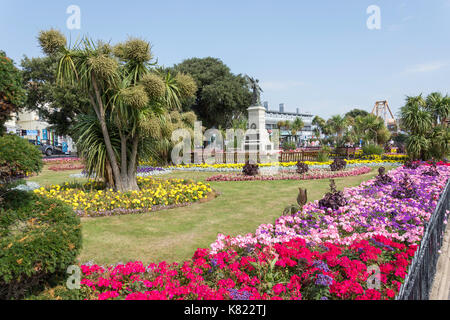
(12, 94)
(356, 112)
(58, 105)
(124, 92)
(221, 95)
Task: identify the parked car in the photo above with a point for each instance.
(46, 148)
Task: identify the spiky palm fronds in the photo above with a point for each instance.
(91, 146)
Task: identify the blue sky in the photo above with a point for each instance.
(316, 55)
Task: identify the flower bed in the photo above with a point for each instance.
(91, 200)
(289, 175)
(371, 210)
(145, 171)
(237, 167)
(315, 254)
(60, 160)
(292, 270)
(67, 166)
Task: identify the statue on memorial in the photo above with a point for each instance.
(254, 86)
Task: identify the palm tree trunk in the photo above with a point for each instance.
(132, 164)
(109, 149)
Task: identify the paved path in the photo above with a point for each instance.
(441, 286)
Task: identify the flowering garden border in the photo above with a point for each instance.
(284, 262)
(307, 176)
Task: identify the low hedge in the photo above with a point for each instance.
(39, 239)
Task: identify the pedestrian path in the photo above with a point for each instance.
(441, 285)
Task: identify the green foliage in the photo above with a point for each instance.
(39, 239)
(288, 145)
(154, 85)
(135, 96)
(18, 158)
(133, 49)
(356, 112)
(371, 149)
(371, 129)
(58, 105)
(424, 121)
(186, 84)
(221, 95)
(51, 41)
(324, 154)
(103, 66)
(12, 94)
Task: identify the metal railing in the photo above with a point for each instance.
(419, 280)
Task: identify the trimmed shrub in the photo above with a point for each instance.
(18, 158)
(39, 239)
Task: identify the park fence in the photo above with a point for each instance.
(418, 282)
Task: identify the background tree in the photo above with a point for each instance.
(356, 112)
(439, 107)
(297, 125)
(12, 93)
(424, 121)
(58, 105)
(221, 95)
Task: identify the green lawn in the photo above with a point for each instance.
(173, 235)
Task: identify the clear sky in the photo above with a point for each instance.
(318, 55)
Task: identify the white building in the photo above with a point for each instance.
(30, 126)
(273, 117)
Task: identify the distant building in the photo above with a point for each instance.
(29, 125)
(273, 117)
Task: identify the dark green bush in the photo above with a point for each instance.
(18, 158)
(39, 239)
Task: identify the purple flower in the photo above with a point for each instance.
(323, 280)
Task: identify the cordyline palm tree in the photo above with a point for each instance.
(424, 120)
(439, 107)
(370, 128)
(123, 91)
(337, 125)
(297, 125)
